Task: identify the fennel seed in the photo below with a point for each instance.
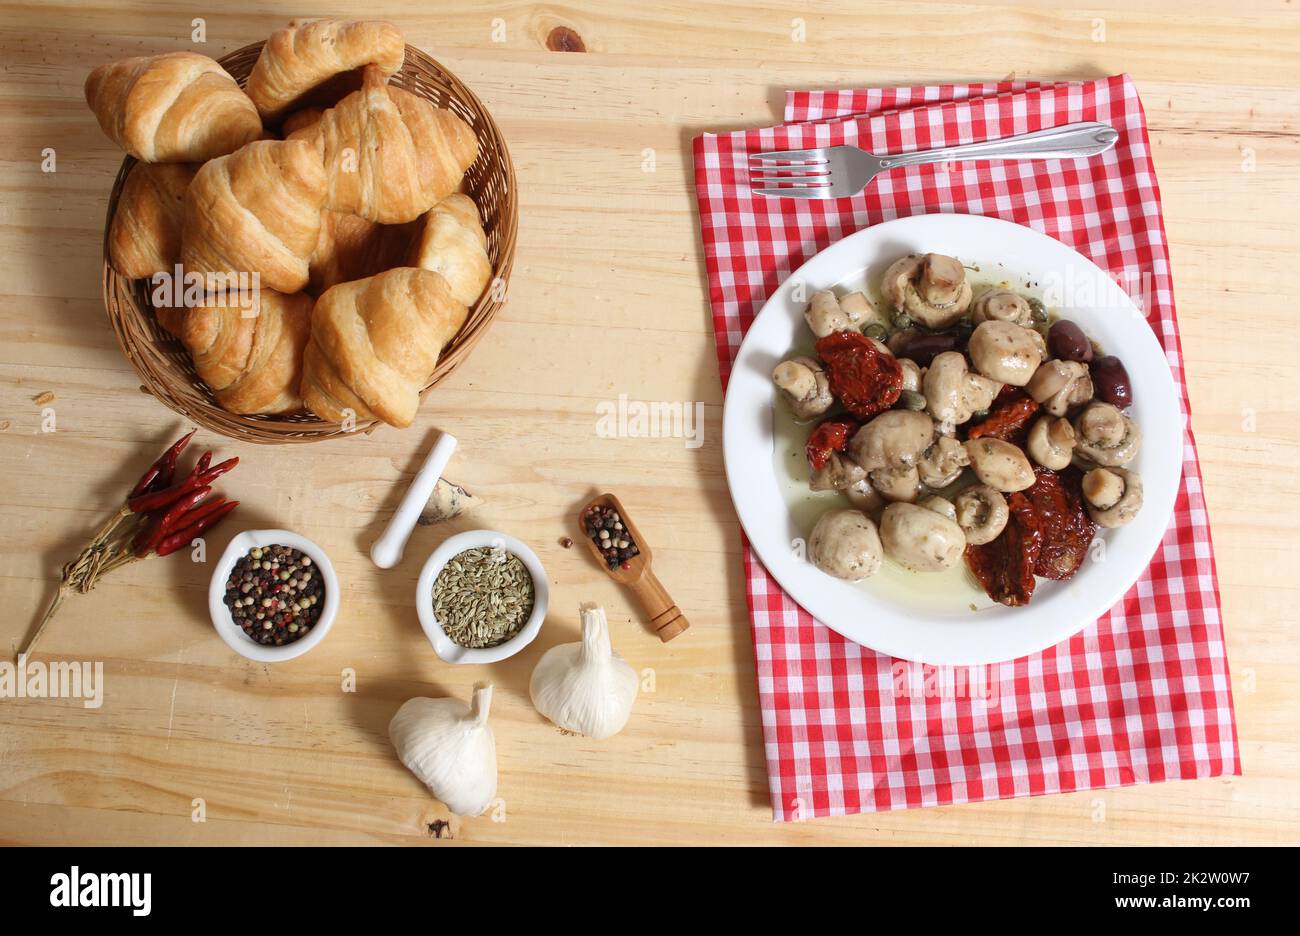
(483, 597)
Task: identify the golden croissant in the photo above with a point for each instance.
(390, 155)
(177, 107)
(453, 244)
(145, 235)
(256, 211)
(301, 120)
(250, 356)
(375, 343)
(298, 59)
(352, 248)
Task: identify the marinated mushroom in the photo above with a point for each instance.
(828, 313)
(1105, 436)
(941, 506)
(894, 439)
(805, 385)
(1001, 305)
(941, 464)
(845, 544)
(1000, 464)
(838, 474)
(931, 289)
(863, 312)
(864, 497)
(1006, 352)
(1051, 442)
(1113, 496)
(897, 484)
(982, 514)
(1059, 386)
(953, 393)
(913, 374)
(921, 539)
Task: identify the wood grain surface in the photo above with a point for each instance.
(608, 298)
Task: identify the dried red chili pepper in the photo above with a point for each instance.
(1005, 567)
(1008, 419)
(829, 436)
(198, 513)
(171, 458)
(864, 379)
(208, 475)
(168, 521)
(183, 506)
(122, 539)
(158, 500)
(148, 482)
(183, 537)
(159, 475)
(1057, 498)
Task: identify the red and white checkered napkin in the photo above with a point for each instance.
(1141, 695)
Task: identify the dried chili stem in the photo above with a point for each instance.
(109, 550)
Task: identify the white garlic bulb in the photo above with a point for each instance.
(449, 746)
(585, 687)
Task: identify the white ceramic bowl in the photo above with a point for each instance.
(475, 539)
(904, 621)
(232, 633)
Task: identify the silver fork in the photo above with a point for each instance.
(840, 171)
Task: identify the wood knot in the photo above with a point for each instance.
(564, 39)
(440, 828)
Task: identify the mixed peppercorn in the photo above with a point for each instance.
(275, 594)
(614, 542)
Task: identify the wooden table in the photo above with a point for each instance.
(608, 298)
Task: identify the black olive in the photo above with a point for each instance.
(1068, 342)
(1110, 381)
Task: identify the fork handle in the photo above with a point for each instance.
(1071, 141)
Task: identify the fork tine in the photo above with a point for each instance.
(787, 173)
(803, 155)
(823, 191)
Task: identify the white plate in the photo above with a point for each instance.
(910, 622)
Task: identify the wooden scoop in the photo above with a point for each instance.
(665, 616)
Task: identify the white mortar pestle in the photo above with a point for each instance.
(387, 550)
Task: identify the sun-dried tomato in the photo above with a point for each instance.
(1005, 567)
(1008, 419)
(864, 379)
(1067, 528)
(830, 436)
(1006, 394)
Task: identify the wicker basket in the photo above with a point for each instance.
(165, 366)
